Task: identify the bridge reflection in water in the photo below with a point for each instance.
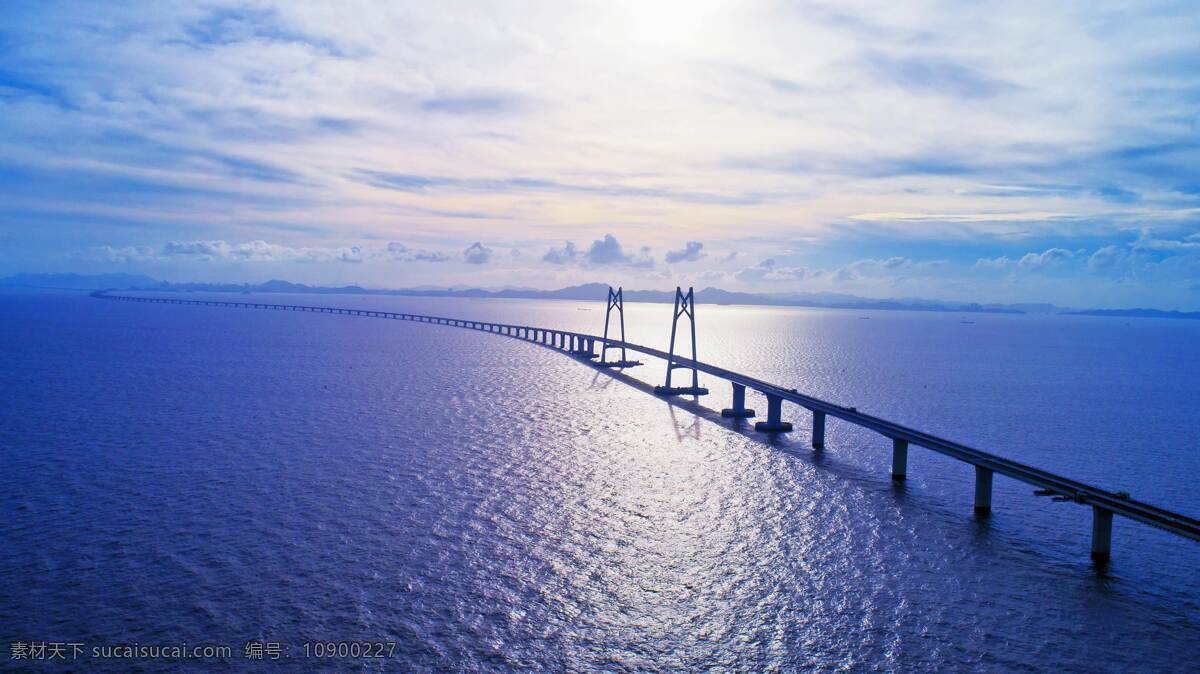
(1104, 504)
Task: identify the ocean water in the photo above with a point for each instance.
(197, 475)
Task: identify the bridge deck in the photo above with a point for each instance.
(1079, 492)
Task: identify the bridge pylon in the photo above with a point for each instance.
(685, 305)
(615, 301)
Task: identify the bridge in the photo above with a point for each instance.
(1104, 504)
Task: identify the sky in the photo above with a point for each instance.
(977, 151)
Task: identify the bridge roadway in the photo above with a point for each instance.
(1104, 503)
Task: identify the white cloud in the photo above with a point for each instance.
(402, 253)
(1108, 259)
(477, 253)
(1029, 262)
(769, 270)
(564, 255)
(254, 251)
(606, 251)
(689, 253)
(352, 254)
(603, 252)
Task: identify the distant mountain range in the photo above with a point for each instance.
(587, 291)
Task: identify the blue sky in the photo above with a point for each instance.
(997, 152)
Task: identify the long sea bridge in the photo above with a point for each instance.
(593, 349)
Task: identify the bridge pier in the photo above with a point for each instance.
(1101, 534)
(899, 459)
(584, 347)
(774, 422)
(738, 409)
(818, 430)
(983, 490)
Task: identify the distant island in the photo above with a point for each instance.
(1137, 313)
(587, 291)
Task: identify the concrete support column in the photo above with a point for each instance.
(818, 436)
(899, 459)
(983, 490)
(738, 408)
(774, 422)
(1101, 534)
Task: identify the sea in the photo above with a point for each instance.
(339, 493)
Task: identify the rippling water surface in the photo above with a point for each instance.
(203, 475)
